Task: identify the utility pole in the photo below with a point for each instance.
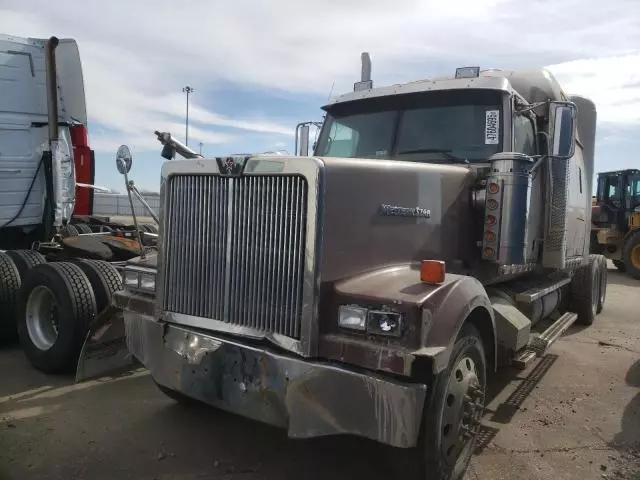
(187, 90)
(200, 148)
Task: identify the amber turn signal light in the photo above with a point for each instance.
(494, 187)
(432, 271)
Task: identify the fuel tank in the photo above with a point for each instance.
(383, 212)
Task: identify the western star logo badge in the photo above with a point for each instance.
(396, 211)
(231, 166)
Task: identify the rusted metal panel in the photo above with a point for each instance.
(309, 399)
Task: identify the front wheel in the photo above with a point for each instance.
(631, 255)
(452, 414)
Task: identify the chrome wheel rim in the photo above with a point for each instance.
(42, 317)
(462, 412)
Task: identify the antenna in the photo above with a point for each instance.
(333, 84)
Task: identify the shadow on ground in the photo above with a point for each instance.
(627, 441)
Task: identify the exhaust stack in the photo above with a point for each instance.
(365, 82)
(52, 89)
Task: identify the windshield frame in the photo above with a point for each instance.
(402, 103)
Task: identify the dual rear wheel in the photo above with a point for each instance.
(50, 306)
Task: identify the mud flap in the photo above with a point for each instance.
(105, 348)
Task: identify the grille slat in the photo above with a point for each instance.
(234, 250)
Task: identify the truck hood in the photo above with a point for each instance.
(377, 213)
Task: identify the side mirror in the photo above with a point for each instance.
(123, 159)
(562, 130)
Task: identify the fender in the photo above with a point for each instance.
(435, 313)
(446, 310)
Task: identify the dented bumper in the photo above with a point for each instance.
(307, 398)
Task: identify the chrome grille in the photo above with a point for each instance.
(234, 249)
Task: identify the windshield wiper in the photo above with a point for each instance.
(446, 153)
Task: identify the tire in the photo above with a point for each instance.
(62, 290)
(83, 228)
(25, 260)
(105, 280)
(585, 290)
(150, 228)
(448, 396)
(604, 271)
(631, 255)
(68, 231)
(619, 264)
(9, 287)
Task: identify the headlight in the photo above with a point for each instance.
(376, 322)
(130, 278)
(141, 280)
(148, 281)
(352, 317)
(384, 323)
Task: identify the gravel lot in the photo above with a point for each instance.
(575, 414)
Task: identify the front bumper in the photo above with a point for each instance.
(308, 398)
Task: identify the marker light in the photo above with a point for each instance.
(494, 187)
(489, 252)
(432, 271)
(491, 220)
(492, 204)
(490, 236)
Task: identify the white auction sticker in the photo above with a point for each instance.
(492, 127)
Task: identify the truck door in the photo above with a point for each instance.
(23, 132)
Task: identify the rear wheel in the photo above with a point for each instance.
(452, 414)
(604, 270)
(631, 255)
(586, 290)
(83, 228)
(105, 280)
(25, 260)
(9, 286)
(151, 228)
(55, 306)
(68, 231)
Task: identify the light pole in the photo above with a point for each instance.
(187, 90)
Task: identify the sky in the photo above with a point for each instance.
(260, 68)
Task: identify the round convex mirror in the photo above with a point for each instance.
(123, 159)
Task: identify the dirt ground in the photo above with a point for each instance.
(575, 414)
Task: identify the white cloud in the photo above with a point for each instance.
(613, 83)
(137, 54)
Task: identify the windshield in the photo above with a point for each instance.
(434, 127)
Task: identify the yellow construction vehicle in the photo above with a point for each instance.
(615, 219)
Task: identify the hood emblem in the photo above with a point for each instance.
(397, 211)
(231, 166)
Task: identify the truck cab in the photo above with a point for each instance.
(390, 273)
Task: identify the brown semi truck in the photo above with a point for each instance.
(373, 287)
